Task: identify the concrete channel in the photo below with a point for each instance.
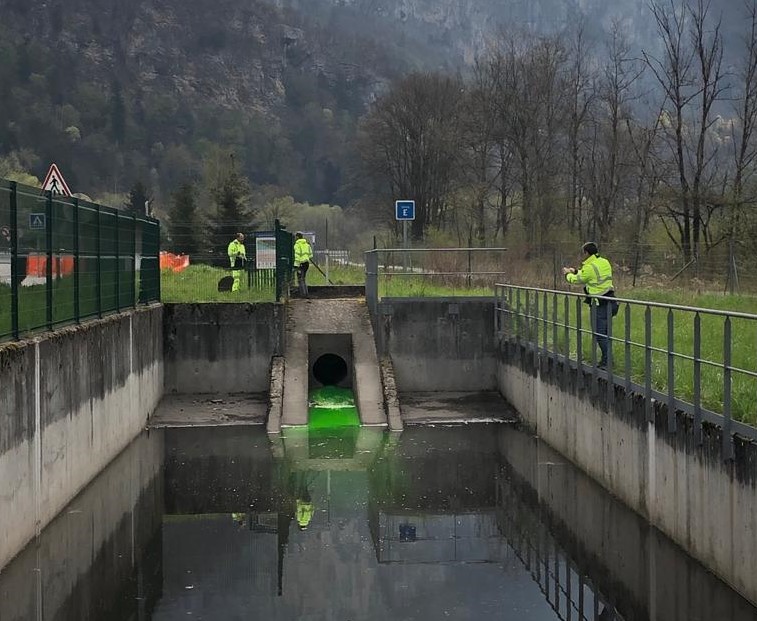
(72, 401)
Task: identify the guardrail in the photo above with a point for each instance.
(65, 260)
(687, 357)
(431, 272)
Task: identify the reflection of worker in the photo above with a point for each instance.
(237, 257)
(296, 503)
(595, 274)
(303, 253)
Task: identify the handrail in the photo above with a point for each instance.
(691, 309)
(379, 250)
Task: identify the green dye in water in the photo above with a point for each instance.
(331, 407)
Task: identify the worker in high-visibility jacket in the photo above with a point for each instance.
(595, 274)
(237, 257)
(303, 254)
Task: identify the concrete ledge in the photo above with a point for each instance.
(217, 410)
(391, 397)
(276, 395)
(455, 407)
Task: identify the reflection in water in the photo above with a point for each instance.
(452, 522)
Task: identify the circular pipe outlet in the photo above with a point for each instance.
(330, 369)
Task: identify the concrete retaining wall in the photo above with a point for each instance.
(439, 344)
(104, 538)
(687, 491)
(225, 348)
(70, 402)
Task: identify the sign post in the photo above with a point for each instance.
(404, 211)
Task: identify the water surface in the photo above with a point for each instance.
(466, 522)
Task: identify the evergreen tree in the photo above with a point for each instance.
(138, 199)
(232, 216)
(183, 223)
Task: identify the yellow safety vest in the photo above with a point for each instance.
(302, 252)
(304, 513)
(236, 249)
(595, 274)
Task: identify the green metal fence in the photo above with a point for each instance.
(63, 260)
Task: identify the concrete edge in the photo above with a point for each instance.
(276, 395)
(391, 395)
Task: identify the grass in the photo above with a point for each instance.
(32, 300)
(743, 345)
(199, 283)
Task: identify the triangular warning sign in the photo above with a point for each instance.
(55, 183)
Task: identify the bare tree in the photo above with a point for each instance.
(531, 111)
(690, 74)
(411, 143)
(609, 152)
(743, 130)
(581, 91)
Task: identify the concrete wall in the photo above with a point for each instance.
(103, 539)
(439, 344)
(70, 401)
(225, 348)
(687, 491)
(636, 567)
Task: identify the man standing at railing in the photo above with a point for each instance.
(303, 254)
(237, 257)
(595, 274)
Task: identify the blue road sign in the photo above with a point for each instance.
(37, 221)
(404, 210)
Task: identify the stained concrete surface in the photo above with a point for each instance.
(441, 407)
(213, 410)
(340, 316)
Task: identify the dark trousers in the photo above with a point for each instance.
(302, 271)
(601, 316)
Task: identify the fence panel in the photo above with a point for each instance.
(63, 260)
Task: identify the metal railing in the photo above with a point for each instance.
(569, 591)
(431, 272)
(699, 361)
(63, 260)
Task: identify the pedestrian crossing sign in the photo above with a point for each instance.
(55, 183)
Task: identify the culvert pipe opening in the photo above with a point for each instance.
(330, 369)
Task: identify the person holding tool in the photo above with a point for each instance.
(237, 256)
(595, 274)
(303, 254)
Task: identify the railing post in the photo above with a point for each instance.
(49, 261)
(648, 363)
(579, 346)
(98, 249)
(566, 323)
(610, 376)
(518, 318)
(14, 259)
(627, 343)
(77, 276)
(728, 451)
(698, 379)
(134, 261)
(672, 425)
(545, 323)
(117, 252)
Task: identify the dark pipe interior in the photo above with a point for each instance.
(330, 369)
